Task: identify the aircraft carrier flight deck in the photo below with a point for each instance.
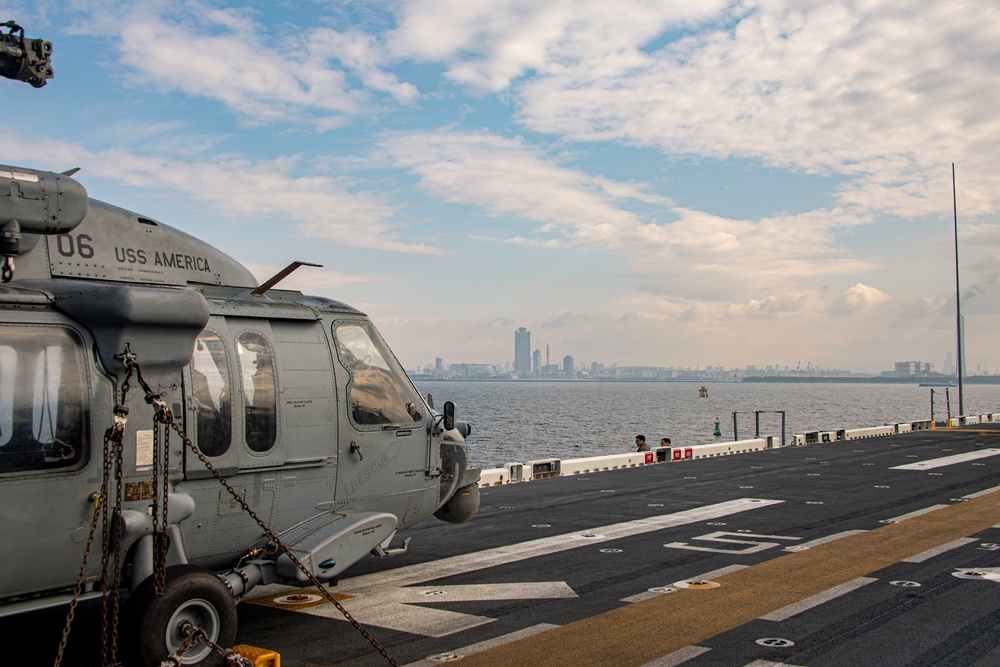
(878, 552)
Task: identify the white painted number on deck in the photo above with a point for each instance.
(753, 546)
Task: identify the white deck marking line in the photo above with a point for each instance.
(488, 644)
(377, 598)
(767, 663)
(648, 595)
(930, 553)
(823, 540)
(816, 600)
(481, 560)
(984, 492)
(678, 657)
(948, 460)
(910, 515)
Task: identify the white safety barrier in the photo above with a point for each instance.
(545, 468)
(721, 449)
(542, 469)
(510, 473)
(870, 432)
(608, 462)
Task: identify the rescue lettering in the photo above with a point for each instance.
(179, 261)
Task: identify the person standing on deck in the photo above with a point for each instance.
(640, 444)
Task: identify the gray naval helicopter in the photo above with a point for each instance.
(299, 445)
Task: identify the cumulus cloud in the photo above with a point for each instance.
(489, 43)
(886, 93)
(858, 298)
(274, 73)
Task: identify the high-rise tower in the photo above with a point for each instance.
(522, 351)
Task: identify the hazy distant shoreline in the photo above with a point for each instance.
(975, 379)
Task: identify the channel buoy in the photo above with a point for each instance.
(718, 430)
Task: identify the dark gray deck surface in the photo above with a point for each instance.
(576, 548)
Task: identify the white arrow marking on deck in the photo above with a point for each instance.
(948, 460)
(381, 598)
(393, 607)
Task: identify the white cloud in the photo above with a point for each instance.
(700, 255)
(886, 93)
(889, 94)
(264, 73)
(508, 177)
(489, 43)
(857, 299)
(239, 188)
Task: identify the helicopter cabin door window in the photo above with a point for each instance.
(257, 376)
(210, 370)
(379, 392)
(43, 400)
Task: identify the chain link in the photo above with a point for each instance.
(113, 467)
(177, 659)
(79, 580)
(281, 545)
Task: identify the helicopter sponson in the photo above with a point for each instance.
(292, 423)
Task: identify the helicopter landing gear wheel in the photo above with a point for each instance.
(193, 597)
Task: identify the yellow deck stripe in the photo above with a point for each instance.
(639, 633)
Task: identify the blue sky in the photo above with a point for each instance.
(636, 182)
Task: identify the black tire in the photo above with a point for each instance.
(192, 594)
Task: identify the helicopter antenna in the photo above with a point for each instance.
(279, 276)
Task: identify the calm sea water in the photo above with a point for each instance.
(522, 421)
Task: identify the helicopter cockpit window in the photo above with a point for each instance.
(257, 375)
(211, 387)
(43, 400)
(379, 391)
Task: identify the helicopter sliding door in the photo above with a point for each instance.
(308, 398)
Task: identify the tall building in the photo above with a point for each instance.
(905, 369)
(522, 351)
(536, 362)
(568, 365)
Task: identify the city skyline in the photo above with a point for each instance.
(640, 182)
(527, 364)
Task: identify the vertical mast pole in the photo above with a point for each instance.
(958, 295)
